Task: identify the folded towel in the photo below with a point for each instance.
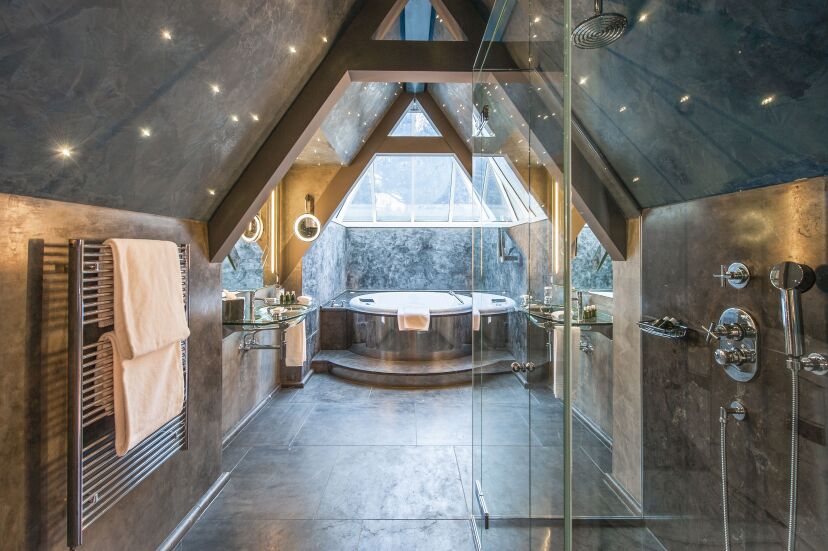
(304, 299)
(148, 392)
(475, 319)
(413, 317)
(149, 302)
(295, 339)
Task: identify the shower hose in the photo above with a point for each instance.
(723, 448)
(793, 365)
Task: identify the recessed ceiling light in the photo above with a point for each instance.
(255, 117)
(292, 49)
(325, 39)
(146, 132)
(65, 151)
(166, 34)
(215, 88)
(583, 80)
(234, 118)
(211, 192)
(636, 179)
(684, 99)
(537, 19)
(768, 100)
(643, 17)
(622, 109)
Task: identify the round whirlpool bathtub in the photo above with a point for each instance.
(375, 328)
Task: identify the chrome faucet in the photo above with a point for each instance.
(460, 300)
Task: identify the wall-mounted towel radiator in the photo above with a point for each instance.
(98, 478)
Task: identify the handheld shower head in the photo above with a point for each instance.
(792, 280)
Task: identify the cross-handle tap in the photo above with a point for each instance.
(737, 275)
(733, 331)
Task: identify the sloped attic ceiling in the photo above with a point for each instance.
(161, 104)
(697, 98)
(349, 123)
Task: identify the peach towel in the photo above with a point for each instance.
(149, 301)
(148, 392)
(413, 317)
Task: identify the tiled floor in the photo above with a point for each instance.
(339, 466)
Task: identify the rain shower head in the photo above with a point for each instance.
(599, 30)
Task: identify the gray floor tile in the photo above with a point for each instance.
(520, 481)
(534, 536)
(327, 388)
(416, 535)
(450, 396)
(276, 483)
(394, 482)
(385, 423)
(275, 425)
(231, 456)
(282, 535)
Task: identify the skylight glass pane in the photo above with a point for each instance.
(466, 208)
(360, 206)
(414, 122)
(493, 197)
(432, 188)
(392, 188)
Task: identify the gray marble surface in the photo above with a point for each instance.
(248, 271)
(684, 387)
(91, 75)
(409, 258)
(587, 270)
(324, 265)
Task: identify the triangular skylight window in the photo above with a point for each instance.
(415, 122)
(434, 190)
(419, 20)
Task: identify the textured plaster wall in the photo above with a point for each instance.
(33, 423)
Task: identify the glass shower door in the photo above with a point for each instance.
(521, 445)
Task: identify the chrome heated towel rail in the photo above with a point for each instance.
(98, 478)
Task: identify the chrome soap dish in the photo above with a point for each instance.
(666, 327)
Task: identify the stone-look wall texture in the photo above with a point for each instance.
(248, 272)
(34, 379)
(92, 74)
(683, 245)
(247, 377)
(409, 258)
(586, 273)
(626, 366)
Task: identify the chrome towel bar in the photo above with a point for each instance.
(98, 478)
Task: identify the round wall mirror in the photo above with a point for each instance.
(307, 227)
(254, 230)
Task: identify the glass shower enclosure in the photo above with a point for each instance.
(539, 463)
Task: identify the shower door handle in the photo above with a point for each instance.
(523, 368)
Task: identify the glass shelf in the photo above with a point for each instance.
(551, 316)
(273, 317)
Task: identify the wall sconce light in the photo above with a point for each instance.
(254, 231)
(307, 226)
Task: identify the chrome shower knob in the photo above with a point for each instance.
(815, 363)
(516, 367)
(735, 356)
(737, 275)
(530, 366)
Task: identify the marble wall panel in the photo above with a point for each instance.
(409, 258)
